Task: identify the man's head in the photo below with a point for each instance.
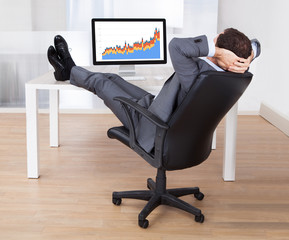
(235, 41)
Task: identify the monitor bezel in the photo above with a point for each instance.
(123, 62)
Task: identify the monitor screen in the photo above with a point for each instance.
(128, 41)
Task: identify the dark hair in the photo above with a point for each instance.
(235, 41)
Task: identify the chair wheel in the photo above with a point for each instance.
(199, 196)
(200, 218)
(148, 185)
(116, 201)
(143, 223)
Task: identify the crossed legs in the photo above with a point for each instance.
(107, 86)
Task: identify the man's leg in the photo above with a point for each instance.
(107, 86)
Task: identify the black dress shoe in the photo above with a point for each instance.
(62, 50)
(61, 47)
(56, 63)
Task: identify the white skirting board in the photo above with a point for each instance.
(64, 111)
(88, 111)
(275, 117)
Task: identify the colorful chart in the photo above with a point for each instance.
(149, 49)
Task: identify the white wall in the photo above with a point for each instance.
(266, 20)
(23, 44)
(32, 15)
(171, 10)
(15, 15)
(48, 15)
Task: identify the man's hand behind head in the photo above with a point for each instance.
(228, 60)
(225, 58)
(241, 65)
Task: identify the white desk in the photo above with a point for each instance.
(155, 77)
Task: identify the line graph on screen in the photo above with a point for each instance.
(141, 49)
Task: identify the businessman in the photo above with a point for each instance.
(229, 51)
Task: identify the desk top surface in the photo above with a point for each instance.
(155, 77)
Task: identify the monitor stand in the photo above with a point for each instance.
(128, 72)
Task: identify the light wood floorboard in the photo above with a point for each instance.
(72, 198)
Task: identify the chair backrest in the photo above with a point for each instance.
(189, 139)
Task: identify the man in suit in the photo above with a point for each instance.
(230, 50)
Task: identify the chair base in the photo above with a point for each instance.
(159, 195)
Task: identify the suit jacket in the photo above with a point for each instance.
(185, 53)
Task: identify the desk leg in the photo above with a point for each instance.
(53, 117)
(32, 131)
(214, 142)
(229, 161)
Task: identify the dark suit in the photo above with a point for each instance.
(184, 52)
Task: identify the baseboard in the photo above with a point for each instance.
(90, 111)
(12, 110)
(275, 117)
(86, 111)
(64, 111)
(246, 113)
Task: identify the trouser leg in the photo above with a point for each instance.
(107, 86)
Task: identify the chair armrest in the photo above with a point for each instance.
(161, 128)
(143, 111)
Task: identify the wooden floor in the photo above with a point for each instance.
(72, 198)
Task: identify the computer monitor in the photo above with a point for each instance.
(117, 41)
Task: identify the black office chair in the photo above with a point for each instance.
(184, 141)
